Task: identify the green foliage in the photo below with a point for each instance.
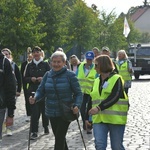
(52, 15)
(19, 28)
(82, 22)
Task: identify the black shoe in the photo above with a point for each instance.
(46, 130)
(33, 136)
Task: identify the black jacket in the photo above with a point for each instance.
(35, 71)
(7, 86)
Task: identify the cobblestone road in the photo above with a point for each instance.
(137, 134)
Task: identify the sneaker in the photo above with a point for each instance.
(33, 136)
(4, 128)
(46, 130)
(9, 132)
(28, 119)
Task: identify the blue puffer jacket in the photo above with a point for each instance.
(66, 84)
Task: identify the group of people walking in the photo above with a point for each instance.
(98, 88)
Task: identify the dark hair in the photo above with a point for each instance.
(36, 48)
(104, 63)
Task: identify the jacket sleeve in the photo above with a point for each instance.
(18, 77)
(27, 74)
(116, 93)
(10, 88)
(77, 93)
(40, 92)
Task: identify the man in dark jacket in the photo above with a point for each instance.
(7, 92)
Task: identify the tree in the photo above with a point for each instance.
(18, 25)
(53, 16)
(82, 22)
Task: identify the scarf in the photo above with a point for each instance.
(37, 62)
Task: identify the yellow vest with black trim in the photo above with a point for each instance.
(86, 82)
(123, 71)
(117, 113)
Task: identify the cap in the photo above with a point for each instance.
(89, 55)
(36, 48)
(105, 48)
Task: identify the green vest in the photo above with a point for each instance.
(86, 82)
(116, 114)
(123, 71)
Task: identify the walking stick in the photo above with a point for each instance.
(32, 94)
(81, 133)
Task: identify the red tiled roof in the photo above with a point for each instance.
(139, 12)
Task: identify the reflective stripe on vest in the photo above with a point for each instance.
(86, 82)
(117, 113)
(123, 71)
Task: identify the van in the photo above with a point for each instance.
(139, 55)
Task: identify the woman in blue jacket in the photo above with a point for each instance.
(62, 82)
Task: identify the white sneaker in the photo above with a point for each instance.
(4, 128)
(28, 119)
(8, 132)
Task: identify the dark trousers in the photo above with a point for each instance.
(27, 104)
(2, 115)
(36, 110)
(83, 110)
(59, 128)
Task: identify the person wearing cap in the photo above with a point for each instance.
(106, 51)
(33, 75)
(86, 75)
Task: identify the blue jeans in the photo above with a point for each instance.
(116, 132)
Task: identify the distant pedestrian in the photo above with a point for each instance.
(86, 75)
(75, 62)
(59, 82)
(106, 51)
(25, 85)
(7, 93)
(34, 75)
(125, 69)
(96, 51)
(109, 105)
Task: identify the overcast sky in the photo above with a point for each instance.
(119, 5)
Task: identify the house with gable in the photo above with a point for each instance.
(141, 17)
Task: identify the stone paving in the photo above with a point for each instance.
(137, 134)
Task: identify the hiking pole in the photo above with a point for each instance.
(32, 94)
(81, 132)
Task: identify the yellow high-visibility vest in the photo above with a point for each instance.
(86, 82)
(116, 114)
(123, 71)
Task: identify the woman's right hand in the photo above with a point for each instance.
(31, 100)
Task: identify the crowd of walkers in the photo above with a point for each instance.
(98, 87)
